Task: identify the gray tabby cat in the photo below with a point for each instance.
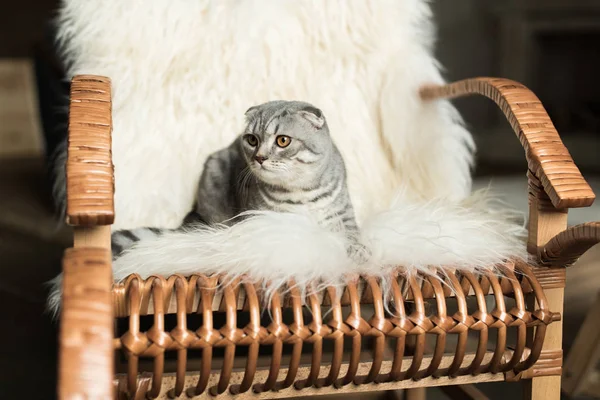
(285, 160)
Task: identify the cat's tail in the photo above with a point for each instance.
(124, 239)
(120, 242)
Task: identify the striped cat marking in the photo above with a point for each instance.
(285, 160)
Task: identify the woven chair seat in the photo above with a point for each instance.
(202, 336)
(398, 331)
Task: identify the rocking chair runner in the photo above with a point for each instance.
(90, 301)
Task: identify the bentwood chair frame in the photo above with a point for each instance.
(91, 302)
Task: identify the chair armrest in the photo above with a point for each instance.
(86, 329)
(566, 247)
(90, 178)
(548, 158)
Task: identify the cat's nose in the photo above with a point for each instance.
(260, 159)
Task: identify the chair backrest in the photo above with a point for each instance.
(184, 73)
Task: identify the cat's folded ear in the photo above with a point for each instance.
(250, 112)
(313, 115)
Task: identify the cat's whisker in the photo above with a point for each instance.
(243, 183)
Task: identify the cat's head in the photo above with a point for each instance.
(286, 143)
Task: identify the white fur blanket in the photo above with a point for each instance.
(476, 234)
(184, 72)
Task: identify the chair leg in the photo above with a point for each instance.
(548, 387)
(542, 388)
(545, 222)
(415, 394)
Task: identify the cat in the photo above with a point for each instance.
(285, 160)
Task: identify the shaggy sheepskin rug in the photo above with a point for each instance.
(183, 74)
(475, 234)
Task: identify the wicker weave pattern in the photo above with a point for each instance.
(334, 327)
(400, 358)
(90, 183)
(566, 247)
(548, 158)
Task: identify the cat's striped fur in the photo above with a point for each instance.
(285, 160)
(123, 239)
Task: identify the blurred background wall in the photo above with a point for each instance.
(549, 45)
(552, 46)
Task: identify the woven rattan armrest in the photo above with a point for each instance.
(555, 184)
(548, 159)
(86, 353)
(90, 181)
(566, 247)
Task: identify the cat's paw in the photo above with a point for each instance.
(358, 252)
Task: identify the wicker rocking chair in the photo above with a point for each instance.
(205, 339)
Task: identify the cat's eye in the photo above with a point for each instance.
(283, 141)
(252, 140)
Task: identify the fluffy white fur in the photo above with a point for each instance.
(184, 72)
(475, 234)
